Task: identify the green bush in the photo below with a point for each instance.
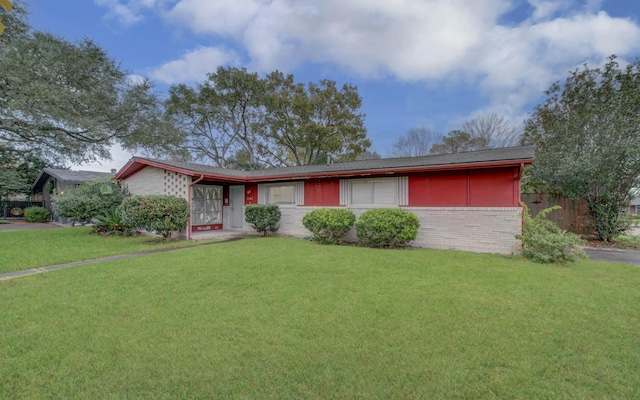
(111, 222)
(387, 227)
(84, 202)
(159, 213)
(329, 225)
(36, 214)
(263, 217)
(544, 242)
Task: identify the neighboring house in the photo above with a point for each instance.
(465, 201)
(634, 206)
(53, 181)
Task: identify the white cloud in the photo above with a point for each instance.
(130, 12)
(416, 41)
(194, 65)
(543, 9)
(119, 158)
(120, 12)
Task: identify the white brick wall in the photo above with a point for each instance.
(152, 180)
(477, 229)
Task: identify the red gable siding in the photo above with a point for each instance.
(322, 193)
(492, 187)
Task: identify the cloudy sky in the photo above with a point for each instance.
(416, 63)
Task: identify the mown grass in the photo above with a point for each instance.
(288, 319)
(25, 249)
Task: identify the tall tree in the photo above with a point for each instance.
(587, 134)
(491, 131)
(220, 117)
(67, 101)
(237, 119)
(483, 132)
(456, 141)
(304, 125)
(416, 142)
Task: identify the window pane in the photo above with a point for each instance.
(384, 192)
(280, 194)
(361, 193)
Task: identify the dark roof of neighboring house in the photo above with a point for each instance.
(473, 159)
(67, 176)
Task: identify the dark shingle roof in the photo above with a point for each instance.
(68, 176)
(471, 157)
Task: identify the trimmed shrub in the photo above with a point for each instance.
(155, 213)
(544, 242)
(84, 202)
(387, 227)
(263, 217)
(329, 225)
(36, 214)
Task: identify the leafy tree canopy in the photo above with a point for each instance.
(587, 134)
(482, 132)
(68, 101)
(238, 119)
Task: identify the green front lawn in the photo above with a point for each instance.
(20, 250)
(284, 318)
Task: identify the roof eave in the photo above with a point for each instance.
(135, 165)
(392, 171)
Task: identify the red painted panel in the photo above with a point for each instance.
(319, 192)
(418, 191)
(225, 195)
(250, 194)
(494, 187)
(447, 189)
(208, 227)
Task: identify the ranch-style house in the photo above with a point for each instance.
(465, 201)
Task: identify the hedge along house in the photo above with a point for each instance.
(465, 201)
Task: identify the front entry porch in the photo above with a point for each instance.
(220, 234)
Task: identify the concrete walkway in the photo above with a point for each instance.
(33, 271)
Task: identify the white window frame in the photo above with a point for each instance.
(401, 191)
(357, 182)
(298, 192)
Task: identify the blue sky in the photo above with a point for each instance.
(416, 63)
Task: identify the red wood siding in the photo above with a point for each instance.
(492, 187)
(251, 194)
(225, 195)
(322, 193)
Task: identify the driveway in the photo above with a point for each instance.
(21, 224)
(614, 255)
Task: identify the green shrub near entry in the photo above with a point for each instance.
(545, 242)
(111, 222)
(36, 214)
(160, 213)
(387, 227)
(329, 225)
(263, 217)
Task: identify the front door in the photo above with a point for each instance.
(236, 194)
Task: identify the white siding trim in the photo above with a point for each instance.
(299, 193)
(344, 192)
(403, 190)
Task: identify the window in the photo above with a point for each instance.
(284, 194)
(374, 192)
(206, 205)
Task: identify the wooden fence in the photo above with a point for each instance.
(572, 217)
